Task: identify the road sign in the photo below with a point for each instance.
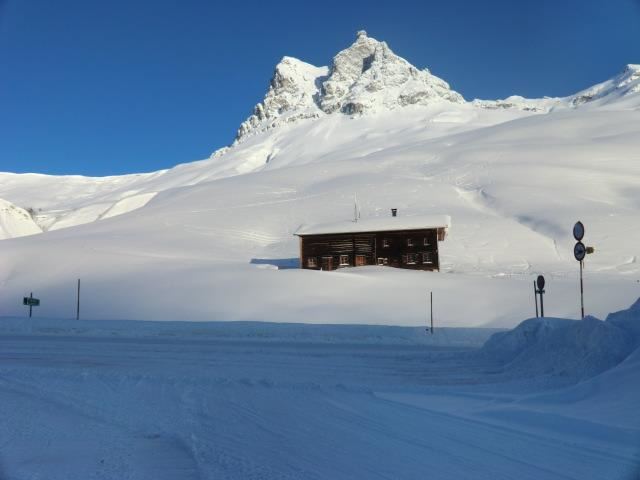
(578, 231)
(579, 251)
(540, 282)
(32, 302)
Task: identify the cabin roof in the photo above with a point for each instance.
(377, 224)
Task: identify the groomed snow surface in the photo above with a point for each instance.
(551, 399)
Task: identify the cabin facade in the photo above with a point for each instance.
(410, 242)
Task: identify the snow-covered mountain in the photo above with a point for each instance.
(513, 174)
(364, 78)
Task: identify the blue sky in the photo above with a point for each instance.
(98, 88)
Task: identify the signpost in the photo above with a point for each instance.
(31, 302)
(579, 252)
(540, 284)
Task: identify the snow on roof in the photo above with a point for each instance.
(377, 224)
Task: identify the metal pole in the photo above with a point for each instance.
(542, 303)
(581, 292)
(535, 296)
(431, 296)
(78, 303)
(30, 304)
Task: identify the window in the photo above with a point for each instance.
(344, 260)
(412, 258)
(409, 242)
(383, 261)
(426, 241)
(427, 257)
(386, 242)
(312, 262)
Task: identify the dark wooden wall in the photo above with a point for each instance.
(367, 248)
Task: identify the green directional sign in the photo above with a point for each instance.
(31, 302)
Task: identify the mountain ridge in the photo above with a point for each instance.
(365, 83)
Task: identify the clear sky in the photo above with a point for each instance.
(107, 87)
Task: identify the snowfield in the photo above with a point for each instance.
(142, 400)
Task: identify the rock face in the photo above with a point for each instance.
(291, 96)
(365, 77)
(369, 76)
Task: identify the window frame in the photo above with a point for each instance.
(312, 262)
(344, 264)
(412, 258)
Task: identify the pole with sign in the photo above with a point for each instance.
(579, 252)
(540, 284)
(31, 302)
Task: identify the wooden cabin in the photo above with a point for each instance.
(402, 242)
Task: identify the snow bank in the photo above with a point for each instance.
(573, 349)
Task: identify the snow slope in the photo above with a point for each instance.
(512, 178)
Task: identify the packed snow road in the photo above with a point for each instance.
(167, 406)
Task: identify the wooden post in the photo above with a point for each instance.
(431, 298)
(78, 302)
(30, 305)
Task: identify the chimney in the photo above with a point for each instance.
(394, 212)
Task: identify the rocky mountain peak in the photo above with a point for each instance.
(368, 76)
(365, 77)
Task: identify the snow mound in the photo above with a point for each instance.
(628, 319)
(16, 221)
(574, 349)
(536, 105)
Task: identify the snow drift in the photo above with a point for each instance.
(574, 349)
